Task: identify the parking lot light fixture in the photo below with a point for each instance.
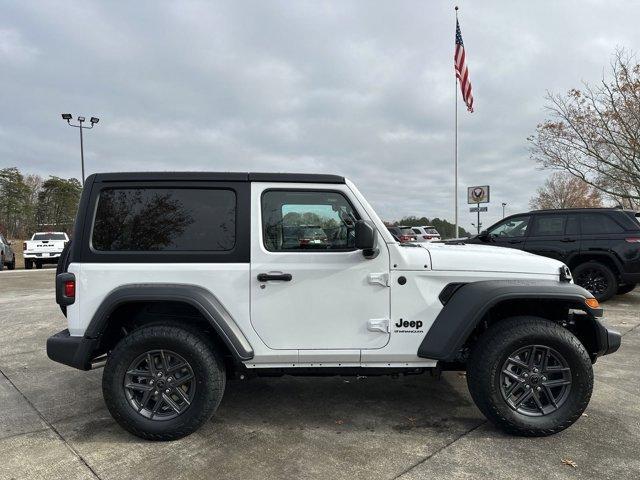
(68, 117)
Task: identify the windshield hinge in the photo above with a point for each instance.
(379, 279)
(378, 325)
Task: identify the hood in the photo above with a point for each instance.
(486, 258)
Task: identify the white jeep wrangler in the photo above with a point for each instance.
(177, 281)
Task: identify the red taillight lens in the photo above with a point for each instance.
(70, 289)
(632, 240)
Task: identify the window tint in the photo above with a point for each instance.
(594, 223)
(513, 227)
(432, 231)
(572, 227)
(417, 230)
(49, 236)
(545, 225)
(307, 220)
(165, 219)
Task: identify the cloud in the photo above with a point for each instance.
(359, 88)
(14, 49)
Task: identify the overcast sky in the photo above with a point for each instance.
(363, 89)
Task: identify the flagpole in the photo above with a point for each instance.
(455, 193)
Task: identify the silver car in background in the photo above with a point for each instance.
(7, 257)
(426, 233)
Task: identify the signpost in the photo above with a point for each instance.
(476, 196)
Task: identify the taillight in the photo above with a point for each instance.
(632, 240)
(70, 289)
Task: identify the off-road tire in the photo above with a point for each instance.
(497, 344)
(207, 367)
(38, 265)
(12, 265)
(601, 269)
(1, 262)
(28, 264)
(624, 289)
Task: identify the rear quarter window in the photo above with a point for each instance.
(164, 219)
(599, 223)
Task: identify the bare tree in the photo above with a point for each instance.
(563, 190)
(594, 133)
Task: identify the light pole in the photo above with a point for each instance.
(68, 117)
(503, 205)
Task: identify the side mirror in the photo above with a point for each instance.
(484, 235)
(365, 238)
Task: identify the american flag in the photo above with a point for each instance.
(461, 70)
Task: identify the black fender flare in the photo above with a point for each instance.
(468, 304)
(200, 298)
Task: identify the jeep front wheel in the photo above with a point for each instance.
(163, 382)
(530, 376)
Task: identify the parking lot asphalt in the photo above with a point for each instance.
(54, 424)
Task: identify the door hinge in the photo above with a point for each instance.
(379, 279)
(378, 325)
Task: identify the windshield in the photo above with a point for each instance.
(49, 236)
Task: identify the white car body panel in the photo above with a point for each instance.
(322, 317)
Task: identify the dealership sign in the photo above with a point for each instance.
(478, 194)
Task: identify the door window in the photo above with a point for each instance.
(307, 220)
(513, 227)
(546, 225)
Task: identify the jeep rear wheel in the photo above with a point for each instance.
(597, 278)
(163, 382)
(530, 376)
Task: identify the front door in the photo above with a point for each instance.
(311, 289)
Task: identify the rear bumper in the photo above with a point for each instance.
(608, 340)
(75, 352)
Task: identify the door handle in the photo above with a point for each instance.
(568, 240)
(280, 277)
(515, 241)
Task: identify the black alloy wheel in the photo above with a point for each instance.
(593, 280)
(597, 278)
(530, 376)
(535, 380)
(163, 381)
(160, 385)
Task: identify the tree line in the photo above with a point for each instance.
(29, 203)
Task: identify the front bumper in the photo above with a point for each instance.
(76, 352)
(608, 340)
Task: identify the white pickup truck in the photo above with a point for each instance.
(44, 247)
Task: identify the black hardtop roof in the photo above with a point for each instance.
(216, 177)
